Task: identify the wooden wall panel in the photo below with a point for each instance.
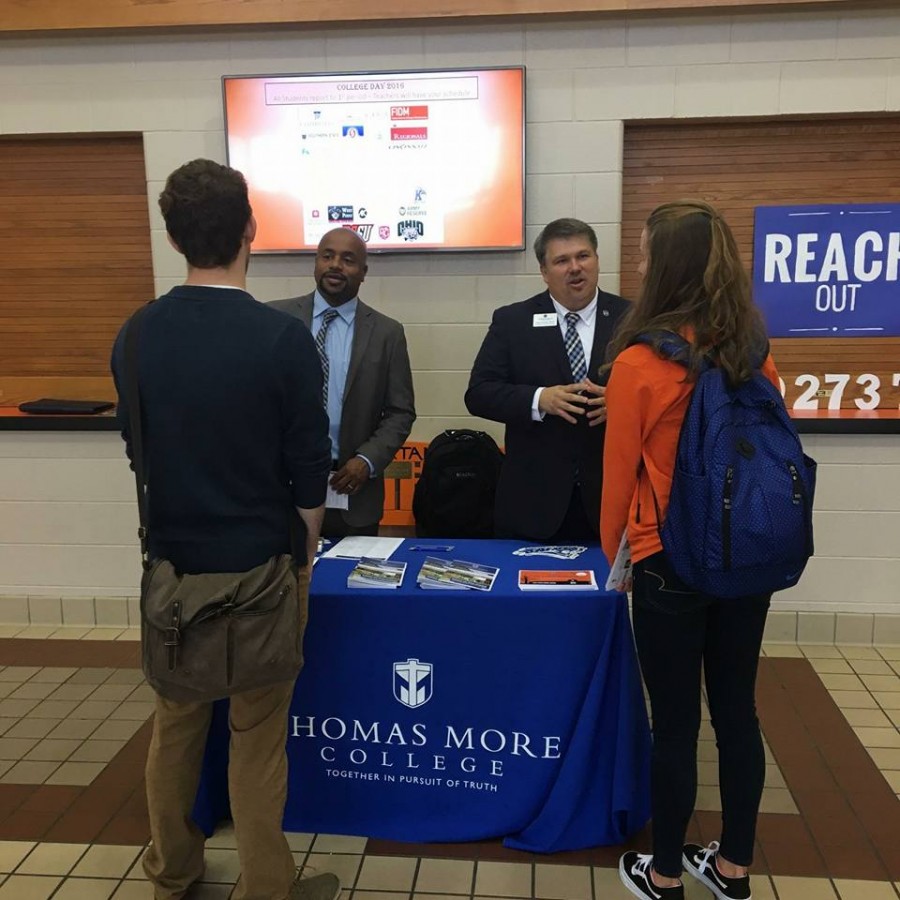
(63, 15)
(75, 260)
(738, 166)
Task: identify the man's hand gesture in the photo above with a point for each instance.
(564, 400)
(595, 402)
(570, 400)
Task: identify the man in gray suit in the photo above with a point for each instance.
(368, 390)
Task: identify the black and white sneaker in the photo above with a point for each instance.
(701, 863)
(634, 871)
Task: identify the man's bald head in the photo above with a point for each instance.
(340, 265)
(345, 237)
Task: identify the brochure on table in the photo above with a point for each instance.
(357, 547)
(377, 573)
(456, 574)
(557, 580)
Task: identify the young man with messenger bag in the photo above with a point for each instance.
(220, 407)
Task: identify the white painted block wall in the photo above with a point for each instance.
(68, 522)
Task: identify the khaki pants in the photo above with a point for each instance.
(257, 782)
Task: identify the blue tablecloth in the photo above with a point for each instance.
(462, 715)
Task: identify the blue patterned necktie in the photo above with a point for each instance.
(329, 316)
(574, 350)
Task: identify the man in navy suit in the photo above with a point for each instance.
(538, 372)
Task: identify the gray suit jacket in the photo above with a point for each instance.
(378, 407)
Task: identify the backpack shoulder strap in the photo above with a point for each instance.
(667, 343)
(761, 355)
(672, 346)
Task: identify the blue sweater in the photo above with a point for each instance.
(234, 431)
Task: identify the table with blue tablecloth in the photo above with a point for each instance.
(454, 715)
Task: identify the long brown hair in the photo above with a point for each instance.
(695, 281)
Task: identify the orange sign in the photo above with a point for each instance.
(400, 479)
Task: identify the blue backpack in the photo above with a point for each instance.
(739, 520)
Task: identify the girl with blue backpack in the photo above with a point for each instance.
(706, 482)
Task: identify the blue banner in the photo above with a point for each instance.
(829, 270)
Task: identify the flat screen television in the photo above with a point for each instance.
(410, 160)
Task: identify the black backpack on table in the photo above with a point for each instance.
(454, 497)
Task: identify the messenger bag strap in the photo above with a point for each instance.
(133, 399)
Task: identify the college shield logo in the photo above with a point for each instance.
(384, 232)
(412, 682)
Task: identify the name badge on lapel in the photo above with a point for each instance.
(544, 320)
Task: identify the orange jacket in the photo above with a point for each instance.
(647, 398)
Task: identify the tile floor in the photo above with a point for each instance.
(63, 725)
(73, 818)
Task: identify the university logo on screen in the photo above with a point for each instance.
(451, 755)
(364, 231)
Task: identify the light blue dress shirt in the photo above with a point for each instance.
(338, 345)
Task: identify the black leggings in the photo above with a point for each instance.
(676, 630)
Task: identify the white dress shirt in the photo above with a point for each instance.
(587, 319)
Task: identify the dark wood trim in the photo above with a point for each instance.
(55, 16)
(845, 423)
(99, 422)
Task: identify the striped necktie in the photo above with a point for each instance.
(329, 316)
(574, 350)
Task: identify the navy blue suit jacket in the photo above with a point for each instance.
(544, 460)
